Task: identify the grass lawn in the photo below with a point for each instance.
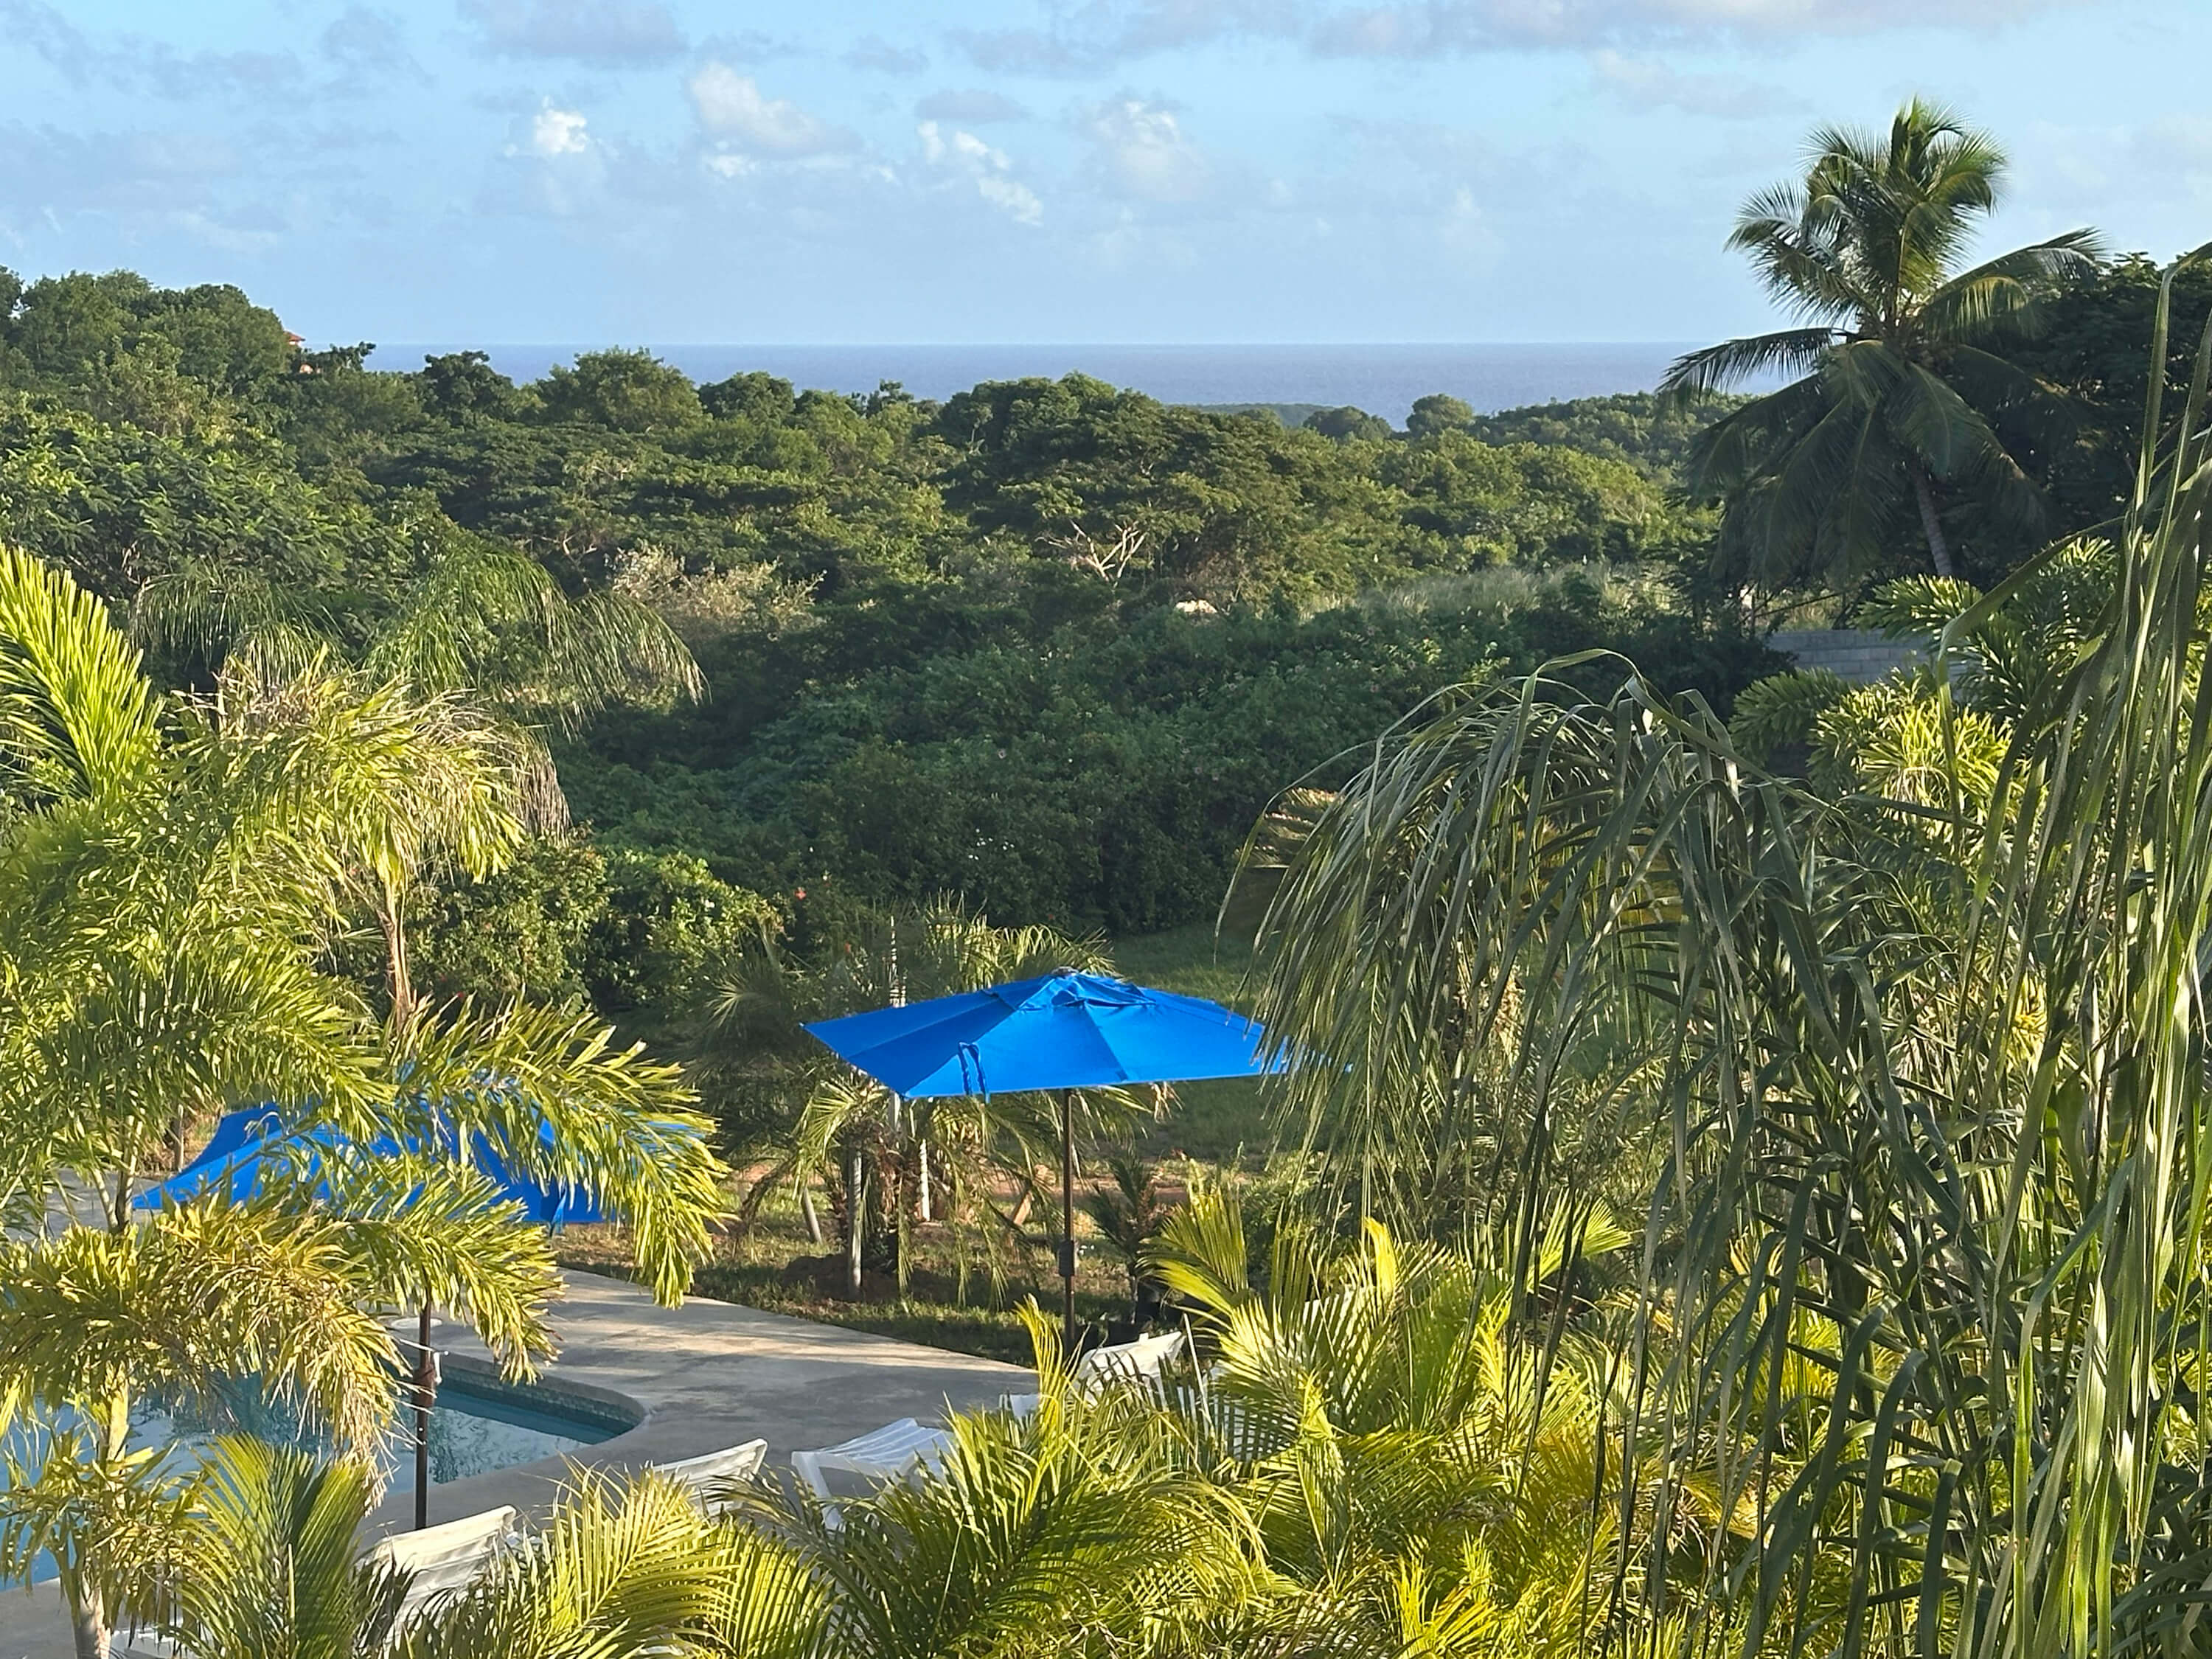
(1222, 1122)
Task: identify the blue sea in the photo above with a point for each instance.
(1382, 380)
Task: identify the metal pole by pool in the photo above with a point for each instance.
(426, 1391)
(1068, 1222)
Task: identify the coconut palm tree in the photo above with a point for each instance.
(1906, 408)
(1938, 1092)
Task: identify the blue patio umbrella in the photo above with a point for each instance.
(1062, 1032)
(250, 1142)
(255, 1141)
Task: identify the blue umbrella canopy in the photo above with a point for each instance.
(249, 1143)
(1064, 1030)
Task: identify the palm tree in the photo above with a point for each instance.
(1425, 1476)
(152, 963)
(1925, 1259)
(164, 884)
(268, 1567)
(1078, 1528)
(1906, 401)
(269, 1562)
(201, 1299)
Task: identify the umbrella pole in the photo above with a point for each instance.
(1068, 1222)
(426, 1390)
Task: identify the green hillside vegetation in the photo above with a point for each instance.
(1738, 1175)
(1639, 428)
(1048, 645)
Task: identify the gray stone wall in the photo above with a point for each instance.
(1857, 654)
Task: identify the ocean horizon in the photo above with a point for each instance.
(1382, 379)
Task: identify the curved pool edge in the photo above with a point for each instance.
(610, 1408)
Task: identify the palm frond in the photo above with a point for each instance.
(1717, 368)
(556, 1098)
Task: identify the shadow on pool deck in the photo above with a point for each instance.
(707, 1374)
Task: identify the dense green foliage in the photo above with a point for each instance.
(1651, 433)
(1048, 646)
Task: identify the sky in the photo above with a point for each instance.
(1169, 171)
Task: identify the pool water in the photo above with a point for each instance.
(479, 1422)
(476, 1427)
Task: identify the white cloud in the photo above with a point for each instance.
(1017, 200)
(989, 168)
(1437, 28)
(1140, 151)
(1648, 84)
(558, 132)
(613, 32)
(732, 107)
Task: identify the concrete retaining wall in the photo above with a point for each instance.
(1857, 654)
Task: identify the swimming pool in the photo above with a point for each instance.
(480, 1422)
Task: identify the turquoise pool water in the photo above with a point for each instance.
(480, 1423)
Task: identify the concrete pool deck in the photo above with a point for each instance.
(706, 1375)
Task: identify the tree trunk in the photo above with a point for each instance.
(88, 1607)
(810, 1214)
(922, 1193)
(856, 1215)
(89, 1626)
(391, 918)
(1931, 526)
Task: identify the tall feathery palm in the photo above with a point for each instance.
(165, 882)
(166, 872)
(152, 961)
(1926, 1278)
(199, 1305)
(483, 636)
(1906, 399)
(844, 1125)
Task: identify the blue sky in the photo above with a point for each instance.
(671, 171)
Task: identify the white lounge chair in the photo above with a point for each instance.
(1140, 1361)
(706, 1477)
(443, 1557)
(1143, 1361)
(888, 1454)
(446, 1556)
